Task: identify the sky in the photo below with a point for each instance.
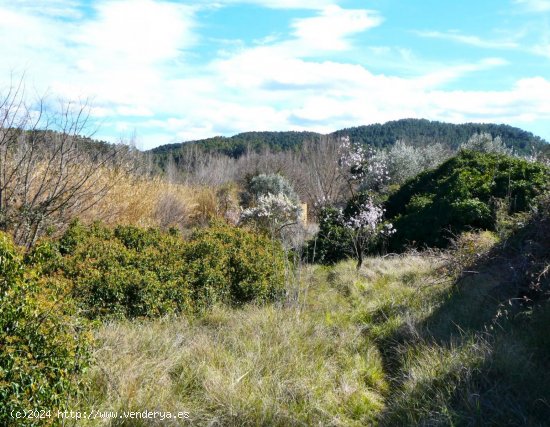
(161, 72)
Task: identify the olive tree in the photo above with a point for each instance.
(485, 143)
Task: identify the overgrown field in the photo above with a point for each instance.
(403, 341)
(455, 337)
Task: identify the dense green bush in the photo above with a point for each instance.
(461, 194)
(132, 272)
(234, 265)
(333, 241)
(43, 344)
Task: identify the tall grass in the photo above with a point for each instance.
(144, 202)
(407, 340)
(269, 365)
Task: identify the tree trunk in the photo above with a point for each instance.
(359, 258)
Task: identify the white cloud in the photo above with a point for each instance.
(52, 8)
(541, 50)
(137, 31)
(281, 4)
(469, 39)
(535, 5)
(330, 29)
(275, 69)
(121, 57)
(324, 96)
(356, 97)
(452, 73)
(131, 58)
(31, 44)
(525, 102)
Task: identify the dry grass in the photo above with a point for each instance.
(257, 366)
(144, 202)
(156, 202)
(312, 362)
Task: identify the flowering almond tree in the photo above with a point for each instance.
(365, 226)
(272, 213)
(364, 168)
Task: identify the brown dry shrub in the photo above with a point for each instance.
(205, 207)
(144, 202)
(171, 211)
(228, 203)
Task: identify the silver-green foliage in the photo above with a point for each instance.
(264, 184)
(485, 143)
(405, 161)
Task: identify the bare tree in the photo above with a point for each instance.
(322, 176)
(49, 172)
(171, 172)
(198, 167)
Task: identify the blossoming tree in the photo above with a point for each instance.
(272, 213)
(366, 226)
(363, 168)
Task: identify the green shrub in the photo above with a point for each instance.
(43, 344)
(462, 194)
(333, 241)
(132, 272)
(251, 266)
(136, 238)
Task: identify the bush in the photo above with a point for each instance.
(461, 194)
(170, 211)
(234, 266)
(406, 161)
(271, 213)
(485, 143)
(132, 272)
(333, 241)
(262, 185)
(43, 344)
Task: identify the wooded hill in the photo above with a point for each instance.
(418, 132)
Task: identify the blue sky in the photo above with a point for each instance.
(168, 71)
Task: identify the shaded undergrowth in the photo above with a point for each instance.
(476, 351)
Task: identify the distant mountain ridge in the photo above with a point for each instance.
(413, 131)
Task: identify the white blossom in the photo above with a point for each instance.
(366, 226)
(365, 166)
(271, 211)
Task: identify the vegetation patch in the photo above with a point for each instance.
(44, 346)
(132, 272)
(460, 195)
(303, 364)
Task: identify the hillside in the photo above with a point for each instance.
(187, 300)
(237, 145)
(414, 131)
